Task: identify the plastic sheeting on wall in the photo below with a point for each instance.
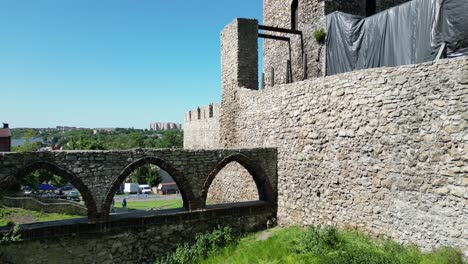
(409, 33)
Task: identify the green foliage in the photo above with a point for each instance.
(148, 174)
(11, 216)
(317, 241)
(154, 204)
(326, 246)
(13, 235)
(205, 244)
(85, 139)
(40, 176)
(27, 146)
(443, 256)
(320, 35)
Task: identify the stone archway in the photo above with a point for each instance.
(265, 192)
(75, 181)
(184, 187)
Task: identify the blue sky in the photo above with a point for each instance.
(111, 63)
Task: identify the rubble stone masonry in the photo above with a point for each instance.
(383, 150)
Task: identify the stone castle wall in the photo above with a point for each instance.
(311, 17)
(201, 130)
(382, 150)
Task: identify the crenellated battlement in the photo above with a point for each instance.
(202, 113)
(201, 127)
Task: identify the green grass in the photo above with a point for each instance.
(155, 204)
(23, 216)
(326, 246)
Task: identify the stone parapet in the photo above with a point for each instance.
(128, 239)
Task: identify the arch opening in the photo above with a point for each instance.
(237, 179)
(42, 192)
(295, 15)
(148, 184)
(232, 184)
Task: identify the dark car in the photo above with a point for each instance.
(73, 196)
(67, 188)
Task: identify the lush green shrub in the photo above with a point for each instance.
(443, 256)
(320, 35)
(328, 245)
(205, 245)
(13, 235)
(317, 241)
(359, 256)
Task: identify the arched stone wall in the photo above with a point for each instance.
(102, 172)
(75, 181)
(265, 192)
(184, 186)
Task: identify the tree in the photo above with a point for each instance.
(153, 177)
(148, 174)
(171, 139)
(40, 176)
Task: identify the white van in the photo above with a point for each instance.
(145, 189)
(131, 188)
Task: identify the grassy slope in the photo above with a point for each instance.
(23, 216)
(282, 245)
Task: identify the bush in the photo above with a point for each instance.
(205, 245)
(320, 35)
(13, 235)
(317, 241)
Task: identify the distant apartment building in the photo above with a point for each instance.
(164, 126)
(5, 138)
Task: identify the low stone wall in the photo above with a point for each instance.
(60, 207)
(128, 239)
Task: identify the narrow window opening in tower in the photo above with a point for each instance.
(294, 15)
(370, 7)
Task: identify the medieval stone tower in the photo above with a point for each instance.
(306, 55)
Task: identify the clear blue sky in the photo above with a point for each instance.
(111, 63)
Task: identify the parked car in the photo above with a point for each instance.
(73, 196)
(67, 188)
(145, 189)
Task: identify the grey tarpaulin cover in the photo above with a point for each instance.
(409, 33)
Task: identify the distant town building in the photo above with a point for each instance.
(68, 128)
(103, 130)
(5, 138)
(164, 126)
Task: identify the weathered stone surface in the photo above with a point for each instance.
(98, 178)
(129, 240)
(409, 133)
(310, 18)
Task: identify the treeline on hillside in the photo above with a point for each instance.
(87, 139)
